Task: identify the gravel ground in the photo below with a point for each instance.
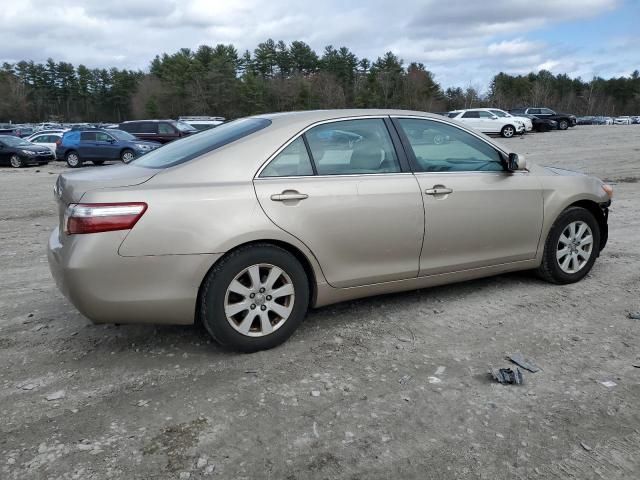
(387, 387)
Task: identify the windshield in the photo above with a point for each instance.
(15, 141)
(193, 146)
(121, 134)
(185, 127)
(452, 114)
(499, 113)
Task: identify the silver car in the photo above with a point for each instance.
(246, 226)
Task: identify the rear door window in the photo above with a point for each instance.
(471, 115)
(88, 137)
(352, 147)
(148, 127)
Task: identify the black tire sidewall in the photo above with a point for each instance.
(561, 123)
(568, 216)
(212, 307)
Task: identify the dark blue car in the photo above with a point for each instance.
(98, 145)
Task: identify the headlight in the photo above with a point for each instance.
(28, 152)
(143, 147)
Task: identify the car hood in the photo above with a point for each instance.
(564, 171)
(33, 148)
(146, 142)
(71, 186)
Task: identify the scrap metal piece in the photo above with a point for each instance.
(525, 363)
(507, 376)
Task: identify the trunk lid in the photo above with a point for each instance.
(71, 186)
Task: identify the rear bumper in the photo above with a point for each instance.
(109, 288)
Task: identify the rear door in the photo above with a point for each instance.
(344, 190)
(87, 145)
(472, 118)
(476, 214)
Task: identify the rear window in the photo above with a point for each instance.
(188, 148)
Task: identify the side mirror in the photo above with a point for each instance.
(516, 162)
(494, 117)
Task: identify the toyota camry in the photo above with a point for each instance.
(246, 226)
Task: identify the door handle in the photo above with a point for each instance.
(438, 190)
(288, 195)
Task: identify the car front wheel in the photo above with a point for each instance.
(16, 161)
(563, 125)
(127, 155)
(73, 160)
(508, 131)
(254, 298)
(571, 247)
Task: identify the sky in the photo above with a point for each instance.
(464, 42)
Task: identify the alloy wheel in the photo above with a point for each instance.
(73, 160)
(16, 162)
(259, 300)
(508, 132)
(127, 157)
(575, 247)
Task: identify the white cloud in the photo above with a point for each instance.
(461, 41)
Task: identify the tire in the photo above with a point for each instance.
(73, 159)
(16, 162)
(127, 155)
(563, 124)
(551, 268)
(231, 275)
(508, 131)
(98, 162)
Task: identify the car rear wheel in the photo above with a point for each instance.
(563, 125)
(98, 162)
(508, 131)
(254, 298)
(127, 155)
(73, 159)
(16, 161)
(571, 247)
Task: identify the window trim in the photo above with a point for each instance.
(404, 165)
(414, 163)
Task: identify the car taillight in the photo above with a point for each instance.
(101, 217)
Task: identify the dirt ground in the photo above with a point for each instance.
(388, 387)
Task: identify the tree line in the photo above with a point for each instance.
(279, 77)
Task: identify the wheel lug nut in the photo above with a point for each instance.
(268, 297)
(253, 306)
(263, 308)
(252, 295)
(262, 290)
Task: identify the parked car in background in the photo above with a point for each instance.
(98, 146)
(216, 229)
(487, 122)
(528, 124)
(602, 121)
(202, 123)
(8, 129)
(163, 131)
(47, 138)
(23, 131)
(48, 126)
(623, 120)
(565, 120)
(541, 124)
(17, 152)
(586, 120)
(635, 119)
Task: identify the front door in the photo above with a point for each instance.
(476, 213)
(353, 202)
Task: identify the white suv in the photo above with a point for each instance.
(485, 121)
(528, 124)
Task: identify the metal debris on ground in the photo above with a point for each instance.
(585, 446)
(507, 376)
(525, 363)
(634, 315)
(609, 384)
